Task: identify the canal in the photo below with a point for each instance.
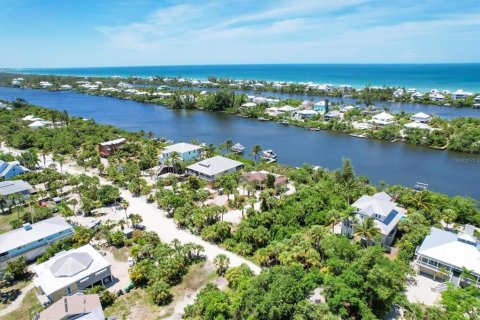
(395, 163)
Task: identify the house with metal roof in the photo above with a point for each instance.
(421, 117)
(383, 119)
(445, 255)
(11, 169)
(71, 271)
(186, 151)
(31, 240)
(212, 168)
(383, 209)
(9, 187)
(79, 306)
(109, 147)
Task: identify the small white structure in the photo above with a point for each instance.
(444, 254)
(249, 105)
(383, 209)
(383, 119)
(66, 87)
(437, 97)
(421, 117)
(212, 168)
(39, 124)
(45, 84)
(417, 95)
(306, 114)
(287, 109)
(417, 125)
(272, 111)
(333, 115)
(460, 94)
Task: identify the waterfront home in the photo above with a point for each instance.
(249, 105)
(417, 95)
(272, 111)
(361, 125)
(39, 124)
(79, 306)
(110, 89)
(124, 85)
(212, 168)
(45, 84)
(109, 147)
(306, 114)
(186, 152)
(68, 272)
(333, 115)
(31, 240)
(258, 179)
(31, 118)
(320, 107)
(259, 100)
(417, 125)
(421, 117)
(287, 109)
(345, 109)
(398, 93)
(10, 187)
(66, 87)
(383, 209)
(436, 97)
(445, 255)
(16, 83)
(477, 98)
(306, 104)
(383, 119)
(460, 94)
(11, 169)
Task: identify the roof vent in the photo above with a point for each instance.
(27, 226)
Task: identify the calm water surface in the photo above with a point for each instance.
(449, 172)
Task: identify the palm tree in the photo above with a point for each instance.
(334, 217)
(15, 201)
(366, 230)
(228, 144)
(421, 200)
(209, 150)
(60, 159)
(315, 235)
(3, 204)
(125, 205)
(175, 158)
(222, 262)
(449, 216)
(256, 151)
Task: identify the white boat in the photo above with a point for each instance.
(284, 122)
(237, 148)
(268, 155)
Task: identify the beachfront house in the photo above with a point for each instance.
(321, 107)
(11, 169)
(333, 115)
(272, 111)
(287, 109)
(417, 125)
(212, 168)
(383, 209)
(66, 87)
(79, 306)
(109, 147)
(31, 240)
(186, 152)
(383, 119)
(436, 97)
(421, 117)
(306, 114)
(445, 255)
(39, 124)
(417, 96)
(68, 272)
(8, 188)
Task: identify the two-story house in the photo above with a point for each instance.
(186, 152)
(11, 169)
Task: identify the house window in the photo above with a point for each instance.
(100, 272)
(40, 240)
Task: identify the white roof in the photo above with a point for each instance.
(215, 165)
(14, 186)
(39, 230)
(68, 267)
(445, 247)
(38, 123)
(181, 147)
(383, 117)
(113, 142)
(421, 115)
(417, 125)
(287, 108)
(249, 104)
(307, 112)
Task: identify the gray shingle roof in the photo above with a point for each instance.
(11, 187)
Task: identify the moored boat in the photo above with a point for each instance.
(269, 155)
(237, 148)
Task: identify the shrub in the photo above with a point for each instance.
(159, 292)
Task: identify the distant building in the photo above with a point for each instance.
(321, 107)
(31, 240)
(417, 125)
(306, 114)
(383, 209)
(186, 151)
(460, 95)
(108, 148)
(11, 169)
(445, 254)
(71, 271)
(66, 87)
(383, 119)
(212, 168)
(333, 115)
(80, 306)
(287, 109)
(257, 179)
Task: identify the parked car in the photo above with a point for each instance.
(139, 226)
(131, 262)
(94, 224)
(129, 287)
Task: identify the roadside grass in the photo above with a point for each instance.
(8, 294)
(137, 305)
(120, 254)
(29, 308)
(5, 219)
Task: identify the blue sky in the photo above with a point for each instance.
(125, 33)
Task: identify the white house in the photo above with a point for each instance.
(39, 124)
(421, 117)
(417, 125)
(417, 95)
(333, 115)
(186, 151)
(249, 105)
(287, 109)
(45, 84)
(212, 168)
(383, 119)
(9, 187)
(437, 97)
(460, 94)
(383, 209)
(306, 114)
(272, 111)
(444, 254)
(69, 272)
(66, 87)
(398, 93)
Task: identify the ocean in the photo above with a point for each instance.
(423, 77)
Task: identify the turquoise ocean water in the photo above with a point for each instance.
(420, 76)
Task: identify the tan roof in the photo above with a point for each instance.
(73, 305)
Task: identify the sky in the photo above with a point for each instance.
(88, 33)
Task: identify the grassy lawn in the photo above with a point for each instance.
(10, 293)
(120, 254)
(136, 305)
(29, 308)
(5, 219)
